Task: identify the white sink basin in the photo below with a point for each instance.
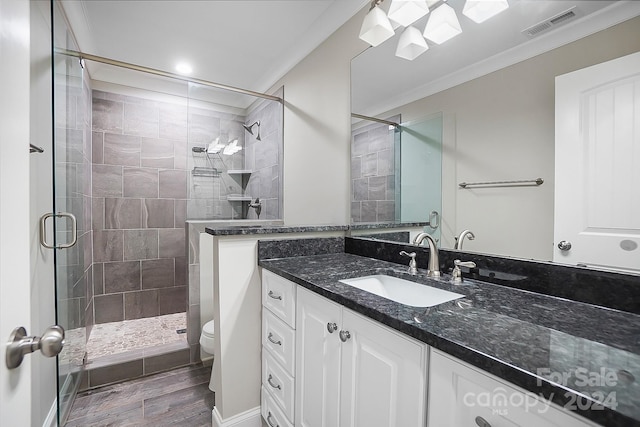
(402, 291)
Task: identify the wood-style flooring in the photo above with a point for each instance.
(180, 397)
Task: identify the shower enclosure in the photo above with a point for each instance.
(139, 154)
(396, 171)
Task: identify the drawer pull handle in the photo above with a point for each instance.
(269, 421)
(274, 296)
(270, 338)
(481, 422)
(344, 336)
(332, 327)
(276, 386)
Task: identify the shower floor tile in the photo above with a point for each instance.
(109, 339)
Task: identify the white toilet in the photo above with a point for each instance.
(207, 344)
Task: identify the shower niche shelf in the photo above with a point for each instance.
(239, 198)
(239, 171)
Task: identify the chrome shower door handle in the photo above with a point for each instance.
(43, 230)
(19, 345)
(434, 220)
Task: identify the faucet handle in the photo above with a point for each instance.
(457, 273)
(413, 267)
(468, 264)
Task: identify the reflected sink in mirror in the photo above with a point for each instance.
(403, 291)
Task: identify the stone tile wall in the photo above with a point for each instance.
(264, 158)
(139, 204)
(373, 174)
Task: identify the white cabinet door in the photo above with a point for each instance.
(460, 396)
(317, 361)
(597, 199)
(383, 376)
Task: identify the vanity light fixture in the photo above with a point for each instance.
(443, 24)
(411, 44)
(376, 27)
(481, 10)
(406, 12)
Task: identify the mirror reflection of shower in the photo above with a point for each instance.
(250, 129)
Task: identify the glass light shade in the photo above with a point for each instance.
(376, 27)
(442, 25)
(481, 10)
(411, 44)
(406, 12)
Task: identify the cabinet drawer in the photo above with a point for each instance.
(279, 383)
(272, 414)
(279, 339)
(279, 296)
(459, 395)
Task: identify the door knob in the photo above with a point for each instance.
(50, 344)
(344, 336)
(564, 245)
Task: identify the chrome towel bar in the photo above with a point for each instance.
(516, 183)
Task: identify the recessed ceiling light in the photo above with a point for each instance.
(184, 68)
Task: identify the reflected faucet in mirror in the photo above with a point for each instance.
(460, 239)
(434, 262)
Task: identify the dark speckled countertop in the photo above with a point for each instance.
(526, 338)
(236, 230)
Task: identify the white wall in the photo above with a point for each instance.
(43, 390)
(15, 295)
(501, 127)
(317, 131)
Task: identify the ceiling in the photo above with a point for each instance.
(381, 81)
(240, 43)
(251, 44)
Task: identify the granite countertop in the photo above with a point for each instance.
(236, 230)
(528, 339)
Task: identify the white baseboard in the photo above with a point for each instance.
(250, 418)
(52, 416)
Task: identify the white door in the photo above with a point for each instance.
(15, 299)
(597, 198)
(383, 376)
(317, 361)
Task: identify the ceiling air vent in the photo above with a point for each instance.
(550, 23)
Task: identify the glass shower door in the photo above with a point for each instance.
(421, 172)
(72, 195)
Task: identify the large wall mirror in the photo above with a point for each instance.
(494, 86)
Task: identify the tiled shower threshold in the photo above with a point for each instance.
(120, 351)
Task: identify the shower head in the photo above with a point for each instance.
(250, 129)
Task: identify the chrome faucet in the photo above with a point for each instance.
(434, 262)
(465, 233)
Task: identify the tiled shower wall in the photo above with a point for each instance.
(373, 174)
(139, 207)
(264, 158)
(209, 194)
(144, 190)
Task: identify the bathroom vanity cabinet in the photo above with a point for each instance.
(349, 370)
(462, 395)
(326, 365)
